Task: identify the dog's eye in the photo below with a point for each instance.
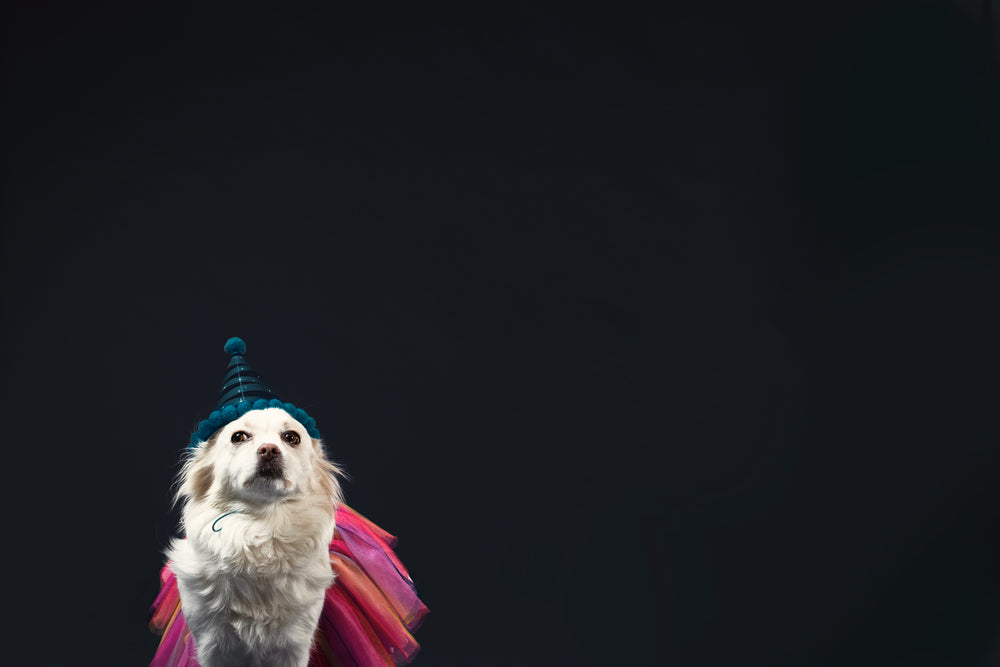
(240, 436)
(291, 437)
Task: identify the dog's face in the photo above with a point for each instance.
(264, 456)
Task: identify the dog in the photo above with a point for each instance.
(259, 500)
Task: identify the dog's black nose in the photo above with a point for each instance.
(267, 452)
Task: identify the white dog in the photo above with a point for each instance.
(259, 502)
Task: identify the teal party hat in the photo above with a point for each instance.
(244, 390)
(242, 382)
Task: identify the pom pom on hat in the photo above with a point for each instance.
(235, 345)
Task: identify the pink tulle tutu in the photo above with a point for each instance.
(369, 614)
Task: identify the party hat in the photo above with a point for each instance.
(244, 390)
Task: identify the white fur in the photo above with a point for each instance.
(253, 591)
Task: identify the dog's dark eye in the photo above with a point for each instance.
(291, 437)
(240, 436)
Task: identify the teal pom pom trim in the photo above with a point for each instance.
(220, 418)
(235, 346)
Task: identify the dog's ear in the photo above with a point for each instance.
(327, 472)
(202, 477)
(197, 475)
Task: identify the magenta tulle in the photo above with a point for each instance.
(368, 615)
(356, 523)
(175, 647)
(384, 569)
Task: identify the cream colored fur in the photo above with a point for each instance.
(253, 591)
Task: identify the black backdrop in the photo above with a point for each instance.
(660, 334)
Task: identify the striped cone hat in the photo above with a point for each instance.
(244, 390)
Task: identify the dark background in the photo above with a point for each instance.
(660, 334)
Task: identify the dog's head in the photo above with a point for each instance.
(262, 457)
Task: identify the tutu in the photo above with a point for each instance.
(369, 613)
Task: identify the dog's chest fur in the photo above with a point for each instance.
(257, 584)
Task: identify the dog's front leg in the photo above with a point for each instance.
(293, 643)
(221, 648)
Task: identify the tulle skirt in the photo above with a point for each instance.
(369, 613)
